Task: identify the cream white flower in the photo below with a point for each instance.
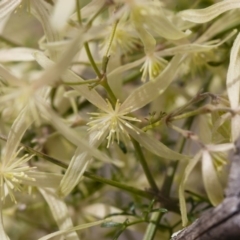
(112, 122)
(211, 181)
(13, 174)
(152, 66)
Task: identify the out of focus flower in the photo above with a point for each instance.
(152, 66)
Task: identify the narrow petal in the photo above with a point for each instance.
(183, 208)
(227, 21)
(17, 54)
(126, 67)
(56, 70)
(19, 127)
(3, 235)
(220, 147)
(209, 13)
(210, 179)
(91, 95)
(76, 168)
(233, 84)
(8, 6)
(194, 47)
(60, 212)
(43, 179)
(153, 145)
(9, 77)
(151, 90)
(61, 12)
(233, 75)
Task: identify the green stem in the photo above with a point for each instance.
(86, 46)
(124, 187)
(111, 95)
(111, 38)
(90, 57)
(145, 167)
(79, 12)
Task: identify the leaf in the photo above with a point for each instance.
(209, 13)
(210, 179)
(192, 163)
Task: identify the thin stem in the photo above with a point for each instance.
(79, 12)
(109, 91)
(145, 167)
(92, 61)
(111, 38)
(86, 46)
(124, 187)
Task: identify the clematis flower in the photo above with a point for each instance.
(116, 121)
(15, 173)
(124, 40)
(112, 121)
(152, 66)
(210, 179)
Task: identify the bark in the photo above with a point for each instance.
(223, 221)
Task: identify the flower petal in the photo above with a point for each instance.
(151, 90)
(60, 212)
(91, 95)
(74, 173)
(3, 235)
(153, 145)
(19, 127)
(209, 13)
(17, 54)
(43, 179)
(192, 163)
(210, 179)
(61, 12)
(7, 6)
(233, 84)
(220, 147)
